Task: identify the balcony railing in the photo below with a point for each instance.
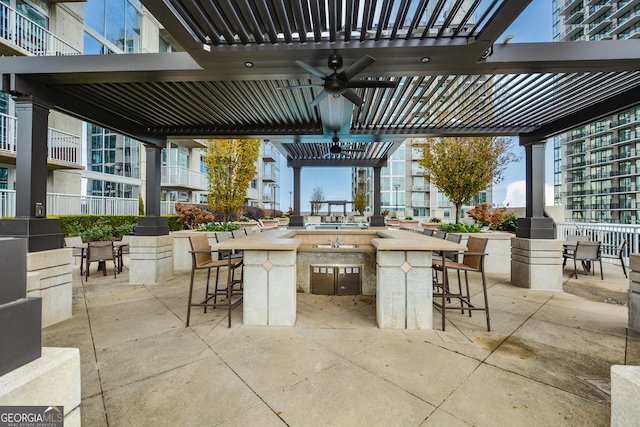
(183, 177)
(73, 204)
(64, 146)
(7, 133)
(22, 32)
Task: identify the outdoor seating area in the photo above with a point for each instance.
(546, 360)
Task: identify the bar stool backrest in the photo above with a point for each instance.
(477, 245)
(200, 242)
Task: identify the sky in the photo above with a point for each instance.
(534, 25)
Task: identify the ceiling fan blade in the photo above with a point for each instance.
(318, 98)
(355, 68)
(353, 97)
(372, 84)
(298, 86)
(311, 69)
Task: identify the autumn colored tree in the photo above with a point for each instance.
(230, 167)
(360, 201)
(461, 167)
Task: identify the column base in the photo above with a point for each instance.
(376, 221)
(634, 292)
(296, 221)
(20, 334)
(53, 379)
(152, 226)
(42, 234)
(536, 228)
(150, 259)
(536, 263)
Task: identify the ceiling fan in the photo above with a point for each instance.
(336, 148)
(337, 84)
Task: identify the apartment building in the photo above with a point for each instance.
(92, 169)
(406, 190)
(596, 166)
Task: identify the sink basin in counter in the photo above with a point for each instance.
(335, 247)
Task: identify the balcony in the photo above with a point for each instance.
(269, 153)
(268, 176)
(182, 177)
(63, 147)
(420, 203)
(24, 37)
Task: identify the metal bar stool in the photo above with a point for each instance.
(201, 258)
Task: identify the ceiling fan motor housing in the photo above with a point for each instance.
(335, 62)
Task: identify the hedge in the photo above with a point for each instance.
(104, 227)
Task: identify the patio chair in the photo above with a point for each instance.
(427, 232)
(615, 252)
(77, 251)
(222, 236)
(123, 248)
(587, 253)
(101, 252)
(440, 234)
(472, 262)
(451, 256)
(202, 258)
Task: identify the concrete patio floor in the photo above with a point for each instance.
(546, 361)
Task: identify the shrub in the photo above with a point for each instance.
(436, 220)
(218, 226)
(253, 212)
(509, 223)
(460, 228)
(408, 218)
(487, 217)
(140, 205)
(192, 215)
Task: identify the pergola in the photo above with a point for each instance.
(439, 68)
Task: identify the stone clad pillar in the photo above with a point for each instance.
(151, 249)
(536, 257)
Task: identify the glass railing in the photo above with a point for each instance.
(22, 32)
(183, 177)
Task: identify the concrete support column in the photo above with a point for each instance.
(376, 219)
(152, 224)
(296, 220)
(625, 395)
(634, 292)
(269, 296)
(150, 259)
(31, 180)
(536, 263)
(404, 297)
(536, 225)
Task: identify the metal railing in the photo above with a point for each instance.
(182, 176)
(20, 31)
(611, 236)
(7, 133)
(61, 146)
(64, 146)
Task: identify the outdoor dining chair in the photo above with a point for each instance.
(587, 253)
(472, 262)
(78, 252)
(230, 295)
(615, 252)
(101, 252)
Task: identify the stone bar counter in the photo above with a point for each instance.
(403, 276)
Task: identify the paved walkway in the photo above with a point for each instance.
(546, 361)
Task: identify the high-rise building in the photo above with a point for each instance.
(88, 159)
(597, 165)
(406, 190)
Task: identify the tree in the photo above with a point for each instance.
(230, 167)
(461, 167)
(317, 197)
(360, 201)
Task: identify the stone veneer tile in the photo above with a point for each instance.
(255, 308)
(255, 257)
(390, 258)
(282, 257)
